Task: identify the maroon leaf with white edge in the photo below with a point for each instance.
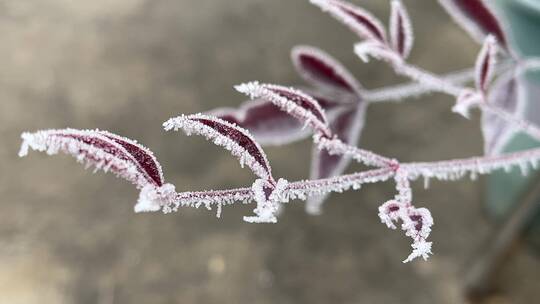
(477, 19)
(144, 157)
(360, 21)
(109, 152)
(506, 93)
(401, 32)
(265, 121)
(222, 133)
(299, 105)
(322, 70)
(485, 64)
(347, 124)
(101, 149)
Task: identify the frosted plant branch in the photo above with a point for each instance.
(458, 168)
(402, 92)
(336, 91)
(338, 147)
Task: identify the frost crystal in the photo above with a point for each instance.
(153, 199)
(420, 249)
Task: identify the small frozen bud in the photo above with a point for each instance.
(465, 101)
(268, 198)
(389, 213)
(152, 199)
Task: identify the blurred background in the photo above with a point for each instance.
(70, 236)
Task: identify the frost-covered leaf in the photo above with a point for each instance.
(360, 21)
(145, 158)
(380, 52)
(401, 32)
(109, 152)
(347, 124)
(271, 126)
(321, 70)
(485, 63)
(265, 121)
(298, 104)
(222, 133)
(477, 18)
(505, 94)
(103, 150)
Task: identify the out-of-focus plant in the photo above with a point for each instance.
(332, 110)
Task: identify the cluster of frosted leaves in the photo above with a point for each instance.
(416, 222)
(335, 91)
(111, 153)
(477, 18)
(371, 30)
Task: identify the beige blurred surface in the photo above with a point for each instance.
(70, 236)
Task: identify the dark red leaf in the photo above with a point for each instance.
(477, 18)
(360, 21)
(321, 70)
